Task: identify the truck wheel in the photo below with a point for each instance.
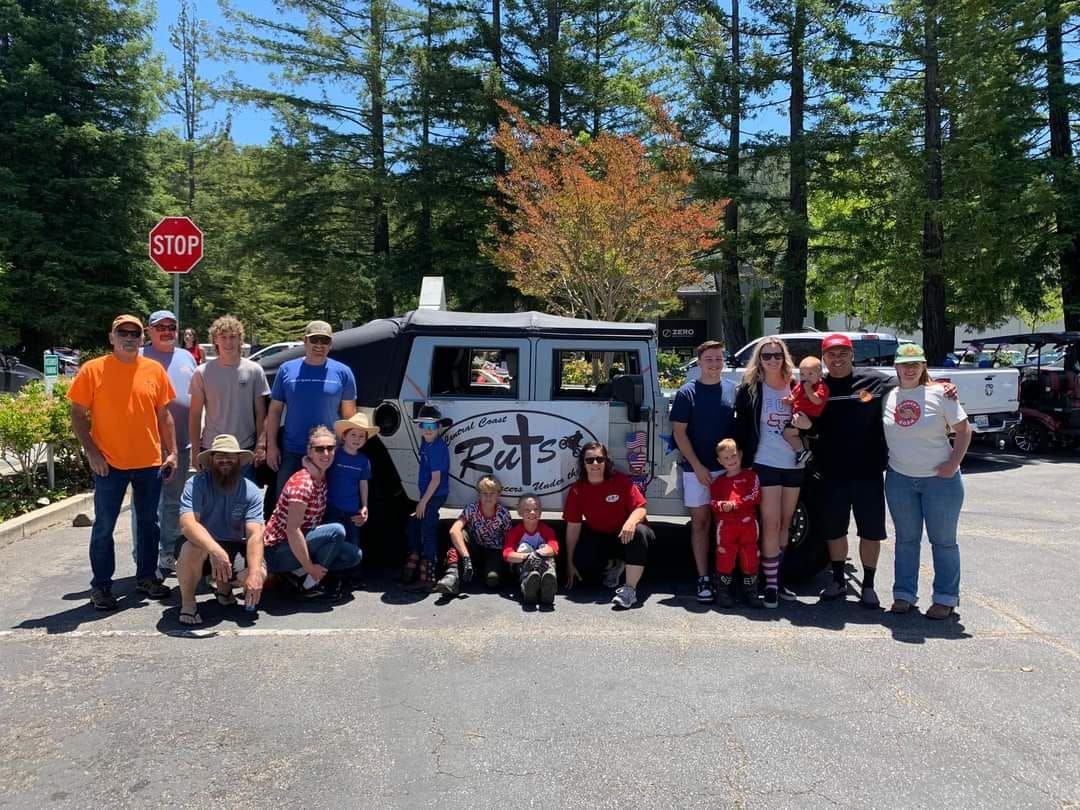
(806, 552)
(1029, 437)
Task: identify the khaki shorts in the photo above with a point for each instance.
(694, 494)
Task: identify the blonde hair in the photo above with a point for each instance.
(226, 325)
(320, 431)
(810, 360)
(753, 374)
(489, 484)
(727, 444)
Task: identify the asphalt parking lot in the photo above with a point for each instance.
(401, 700)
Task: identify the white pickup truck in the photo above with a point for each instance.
(990, 396)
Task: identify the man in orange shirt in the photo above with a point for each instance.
(119, 414)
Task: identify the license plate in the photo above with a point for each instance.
(982, 420)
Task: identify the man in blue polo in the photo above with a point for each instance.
(311, 390)
(702, 414)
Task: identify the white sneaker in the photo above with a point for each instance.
(625, 597)
(613, 573)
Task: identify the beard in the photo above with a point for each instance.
(226, 480)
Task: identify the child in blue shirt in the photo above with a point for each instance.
(347, 479)
(434, 481)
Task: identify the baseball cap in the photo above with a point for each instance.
(318, 328)
(834, 340)
(909, 353)
(122, 319)
(161, 315)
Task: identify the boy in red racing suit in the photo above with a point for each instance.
(734, 498)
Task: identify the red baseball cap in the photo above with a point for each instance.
(834, 340)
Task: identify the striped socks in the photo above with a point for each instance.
(770, 566)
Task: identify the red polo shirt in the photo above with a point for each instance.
(604, 506)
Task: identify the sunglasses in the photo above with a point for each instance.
(429, 425)
(319, 340)
(160, 327)
(772, 355)
(595, 459)
(129, 333)
(323, 448)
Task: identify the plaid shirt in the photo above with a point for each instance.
(299, 488)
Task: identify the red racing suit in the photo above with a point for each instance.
(737, 530)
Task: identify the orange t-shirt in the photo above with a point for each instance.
(124, 399)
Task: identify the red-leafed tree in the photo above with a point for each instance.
(600, 228)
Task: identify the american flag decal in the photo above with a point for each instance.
(635, 452)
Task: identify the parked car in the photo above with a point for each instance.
(14, 375)
(273, 349)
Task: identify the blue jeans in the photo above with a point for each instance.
(352, 531)
(168, 514)
(423, 533)
(936, 503)
(108, 500)
(326, 547)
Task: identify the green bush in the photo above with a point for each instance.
(31, 419)
(669, 367)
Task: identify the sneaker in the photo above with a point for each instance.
(834, 590)
(492, 578)
(549, 583)
(152, 588)
(724, 599)
(869, 599)
(530, 588)
(787, 594)
(704, 590)
(803, 456)
(449, 582)
(750, 596)
(613, 573)
(772, 597)
(625, 597)
(102, 599)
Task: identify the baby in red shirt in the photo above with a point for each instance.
(734, 498)
(808, 396)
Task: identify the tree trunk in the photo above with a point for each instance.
(731, 296)
(381, 245)
(554, 65)
(793, 307)
(497, 66)
(936, 340)
(424, 226)
(1062, 169)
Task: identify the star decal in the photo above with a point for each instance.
(671, 480)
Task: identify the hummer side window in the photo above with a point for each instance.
(588, 374)
(462, 371)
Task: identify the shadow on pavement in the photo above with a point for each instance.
(67, 621)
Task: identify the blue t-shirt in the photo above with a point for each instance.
(223, 514)
(312, 396)
(435, 456)
(709, 414)
(180, 366)
(343, 480)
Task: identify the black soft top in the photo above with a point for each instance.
(378, 351)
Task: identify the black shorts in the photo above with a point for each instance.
(863, 497)
(237, 555)
(779, 476)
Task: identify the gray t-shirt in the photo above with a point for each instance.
(229, 394)
(773, 449)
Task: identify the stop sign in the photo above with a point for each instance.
(176, 244)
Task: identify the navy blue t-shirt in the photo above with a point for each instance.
(343, 480)
(435, 456)
(312, 396)
(709, 414)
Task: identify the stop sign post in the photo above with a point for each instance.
(176, 246)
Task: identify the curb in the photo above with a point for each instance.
(48, 516)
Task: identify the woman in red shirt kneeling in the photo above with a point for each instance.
(605, 524)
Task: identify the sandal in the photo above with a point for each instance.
(410, 569)
(938, 611)
(900, 606)
(190, 616)
(225, 598)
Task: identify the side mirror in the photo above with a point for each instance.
(630, 390)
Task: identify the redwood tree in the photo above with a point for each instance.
(600, 228)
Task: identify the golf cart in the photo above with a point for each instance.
(1049, 393)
